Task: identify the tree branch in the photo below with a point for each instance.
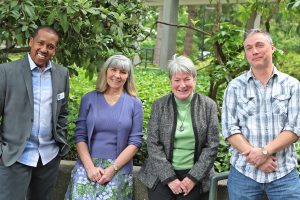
(184, 26)
(15, 50)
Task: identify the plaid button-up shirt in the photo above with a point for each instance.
(260, 113)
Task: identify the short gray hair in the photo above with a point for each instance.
(181, 64)
(119, 62)
(257, 30)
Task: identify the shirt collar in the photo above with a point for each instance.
(184, 102)
(250, 75)
(33, 65)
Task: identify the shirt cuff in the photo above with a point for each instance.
(230, 132)
(295, 130)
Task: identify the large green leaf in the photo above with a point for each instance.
(29, 11)
(64, 22)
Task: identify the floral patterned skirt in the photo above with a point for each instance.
(81, 188)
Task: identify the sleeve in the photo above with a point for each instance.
(209, 151)
(81, 134)
(2, 91)
(293, 119)
(2, 97)
(62, 120)
(163, 168)
(230, 121)
(136, 134)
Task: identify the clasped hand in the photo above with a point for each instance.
(184, 186)
(100, 175)
(255, 157)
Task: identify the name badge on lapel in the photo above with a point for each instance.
(60, 96)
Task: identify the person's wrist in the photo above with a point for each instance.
(264, 152)
(115, 166)
(89, 167)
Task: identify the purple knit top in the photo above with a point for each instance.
(108, 130)
(104, 139)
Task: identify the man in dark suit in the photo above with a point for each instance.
(33, 127)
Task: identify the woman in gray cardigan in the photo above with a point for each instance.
(182, 139)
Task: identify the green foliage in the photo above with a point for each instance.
(222, 162)
(297, 147)
(291, 65)
(293, 4)
(90, 31)
(230, 39)
(228, 58)
(79, 85)
(181, 33)
(151, 84)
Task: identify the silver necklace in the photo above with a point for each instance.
(181, 127)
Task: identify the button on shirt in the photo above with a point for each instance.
(41, 141)
(260, 113)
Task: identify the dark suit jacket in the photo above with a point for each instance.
(16, 108)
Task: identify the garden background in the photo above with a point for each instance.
(211, 35)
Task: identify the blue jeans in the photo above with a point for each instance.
(241, 187)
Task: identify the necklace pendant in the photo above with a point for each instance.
(181, 128)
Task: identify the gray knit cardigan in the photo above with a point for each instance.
(160, 141)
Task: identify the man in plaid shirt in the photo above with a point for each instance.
(261, 121)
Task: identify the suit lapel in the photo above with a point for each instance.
(55, 79)
(27, 78)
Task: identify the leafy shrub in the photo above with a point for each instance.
(151, 84)
(79, 85)
(291, 65)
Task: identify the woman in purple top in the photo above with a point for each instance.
(108, 135)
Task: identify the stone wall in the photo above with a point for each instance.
(140, 191)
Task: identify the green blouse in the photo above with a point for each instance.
(184, 146)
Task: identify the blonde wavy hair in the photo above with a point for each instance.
(119, 62)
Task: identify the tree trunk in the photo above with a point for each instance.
(213, 88)
(158, 37)
(216, 28)
(188, 41)
(250, 22)
(274, 9)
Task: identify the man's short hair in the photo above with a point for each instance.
(258, 30)
(47, 28)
